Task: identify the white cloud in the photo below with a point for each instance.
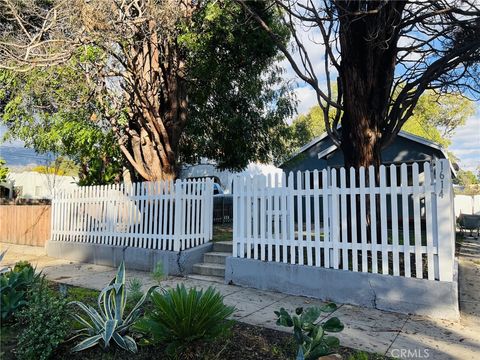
(306, 97)
(466, 143)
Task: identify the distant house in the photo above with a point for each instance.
(321, 153)
(208, 168)
(33, 185)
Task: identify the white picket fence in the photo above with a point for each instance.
(154, 215)
(401, 224)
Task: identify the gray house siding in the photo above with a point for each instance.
(401, 150)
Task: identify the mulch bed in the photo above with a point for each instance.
(245, 342)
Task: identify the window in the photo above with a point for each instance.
(38, 190)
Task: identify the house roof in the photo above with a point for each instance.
(403, 134)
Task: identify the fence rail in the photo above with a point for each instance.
(398, 222)
(163, 215)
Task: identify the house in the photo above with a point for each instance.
(34, 185)
(321, 153)
(208, 168)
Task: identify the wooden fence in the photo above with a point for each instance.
(398, 222)
(25, 224)
(153, 215)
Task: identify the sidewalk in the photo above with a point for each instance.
(365, 329)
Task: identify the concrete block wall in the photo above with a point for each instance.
(174, 262)
(438, 299)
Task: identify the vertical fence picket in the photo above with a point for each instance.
(373, 217)
(405, 220)
(326, 225)
(353, 219)
(242, 215)
(344, 218)
(284, 195)
(384, 219)
(363, 220)
(308, 220)
(156, 221)
(248, 194)
(394, 209)
(335, 229)
(255, 211)
(291, 214)
(167, 240)
(300, 188)
(429, 220)
(445, 220)
(276, 219)
(416, 221)
(236, 216)
(269, 205)
(316, 216)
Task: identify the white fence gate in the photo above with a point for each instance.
(155, 215)
(398, 222)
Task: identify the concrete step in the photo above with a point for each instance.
(209, 269)
(216, 257)
(223, 246)
(215, 279)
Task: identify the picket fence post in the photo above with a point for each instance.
(445, 220)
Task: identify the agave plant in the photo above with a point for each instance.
(108, 322)
(14, 286)
(5, 269)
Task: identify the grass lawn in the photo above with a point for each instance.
(222, 233)
(243, 341)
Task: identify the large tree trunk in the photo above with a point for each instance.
(367, 73)
(157, 105)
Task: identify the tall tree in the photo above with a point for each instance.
(3, 170)
(151, 74)
(385, 55)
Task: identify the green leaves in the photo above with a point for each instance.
(52, 111)
(182, 316)
(311, 337)
(44, 323)
(333, 325)
(13, 289)
(108, 323)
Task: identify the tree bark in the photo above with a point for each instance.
(369, 48)
(157, 105)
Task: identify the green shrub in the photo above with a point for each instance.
(19, 266)
(108, 322)
(157, 274)
(310, 335)
(14, 286)
(180, 317)
(134, 290)
(45, 321)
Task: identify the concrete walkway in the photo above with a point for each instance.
(398, 335)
